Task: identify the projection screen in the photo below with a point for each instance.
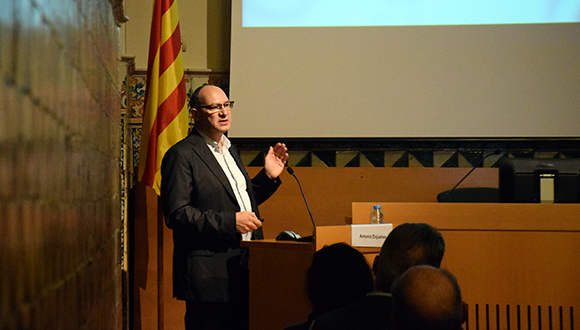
(423, 69)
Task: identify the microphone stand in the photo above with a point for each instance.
(497, 152)
(305, 238)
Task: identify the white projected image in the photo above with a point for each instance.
(311, 13)
(452, 71)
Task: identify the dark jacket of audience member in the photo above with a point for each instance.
(407, 245)
(427, 298)
(338, 276)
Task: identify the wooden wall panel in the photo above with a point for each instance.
(330, 192)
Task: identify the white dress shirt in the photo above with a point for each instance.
(233, 173)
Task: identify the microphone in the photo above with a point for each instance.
(306, 238)
(497, 152)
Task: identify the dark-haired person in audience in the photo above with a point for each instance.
(339, 275)
(407, 245)
(427, 298)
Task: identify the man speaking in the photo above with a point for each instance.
(211, 204)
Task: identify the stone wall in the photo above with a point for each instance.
(59, 165)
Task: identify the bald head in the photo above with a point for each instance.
(212, 123)
(427, 298)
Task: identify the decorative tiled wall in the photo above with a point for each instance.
(411, 157)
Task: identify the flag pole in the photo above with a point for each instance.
(160, 277)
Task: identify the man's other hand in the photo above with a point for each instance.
(247, 221)
(275, 160)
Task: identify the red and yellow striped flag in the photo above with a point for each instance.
(166, 119)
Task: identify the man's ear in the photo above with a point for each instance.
(193, 114)
(464, 312)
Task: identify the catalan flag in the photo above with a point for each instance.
(166, 120)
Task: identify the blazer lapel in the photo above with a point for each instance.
(207, 157)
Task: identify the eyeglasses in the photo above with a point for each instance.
(213, 108)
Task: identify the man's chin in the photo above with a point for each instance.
(224, 129)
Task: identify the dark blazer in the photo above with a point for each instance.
(200, 207)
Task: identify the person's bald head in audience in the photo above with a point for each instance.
(427, 298)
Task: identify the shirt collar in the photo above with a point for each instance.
(213, 144)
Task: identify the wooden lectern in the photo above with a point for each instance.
(277, 277)
(517, 264)
(277, 273)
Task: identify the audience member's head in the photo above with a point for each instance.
(338, 276)
(408, 245)
(427, 298)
